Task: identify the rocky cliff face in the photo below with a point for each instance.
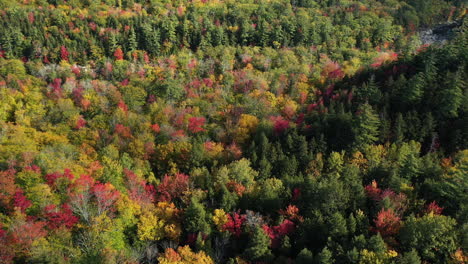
(439, 34)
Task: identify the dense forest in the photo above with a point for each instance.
(224, 131)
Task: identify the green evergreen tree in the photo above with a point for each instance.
(325, 257)
(366, 127)
(258, 246)
(196, 218)
(410, 257)
(429, 232)
(304, 257)
(399, 129)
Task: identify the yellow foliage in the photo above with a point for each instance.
(391, 254)
(459, 257)
(359, 160)
(213, 149)
(150, 227)
(128, 210)
(247, 124)
(219, 218)
(369, 257)
(184, 255)
(160, 222)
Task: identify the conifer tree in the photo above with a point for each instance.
(258, 246)
(366, 127)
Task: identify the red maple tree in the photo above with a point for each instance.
(118, 54)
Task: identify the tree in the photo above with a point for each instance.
(325, 257)
(184, 255)
(366, 126)
(258, 246)
(195, 219)
(451, 95)
(387, 222)
(64, 53)
(118, 54)
(410, 257)
(428, 233)
(172, 187)
(196, 123)
(304, 257)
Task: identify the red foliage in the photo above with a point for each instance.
(208, 82)
(76, 70)
(80, 123)
(178, 134)
(196, 123)
(279, 124)
(125, 82)
(46, 60)
(234, 224)
(25, 233)
(241, 82)
(387, 223)
(64, 53)
(118, 54)
(300, 119)
(57, 88)
(172, 187)
(311, 107)
(292, 213)
(398, 201)
(302, 97)
(276, 233)
(105, 195)
(234, 151)
(83, 183)
(33, 168)
(77, 95)
(434, 208)
(296, 193)
(20, 201)
(52, 178)
(92, 26)
(238, 188)
(6, 250)
(123, 131)
(192, 64)
(332, 70)
(7, 187)
(138, 189)
(155, 128)
(58, 218)
(31, 18)
(122, 106)
(373, 191)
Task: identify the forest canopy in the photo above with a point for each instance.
(252, 131)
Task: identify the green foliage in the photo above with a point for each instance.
(366, 128)
(429, 232)
(258, 246)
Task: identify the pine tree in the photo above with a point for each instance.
(366, 127)
(304, 257)
(399, 129)
(258, 246)
(377, 244)
(195, 218)
(452, 95)
(410, 257)
(132, 41)
(325, 257)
